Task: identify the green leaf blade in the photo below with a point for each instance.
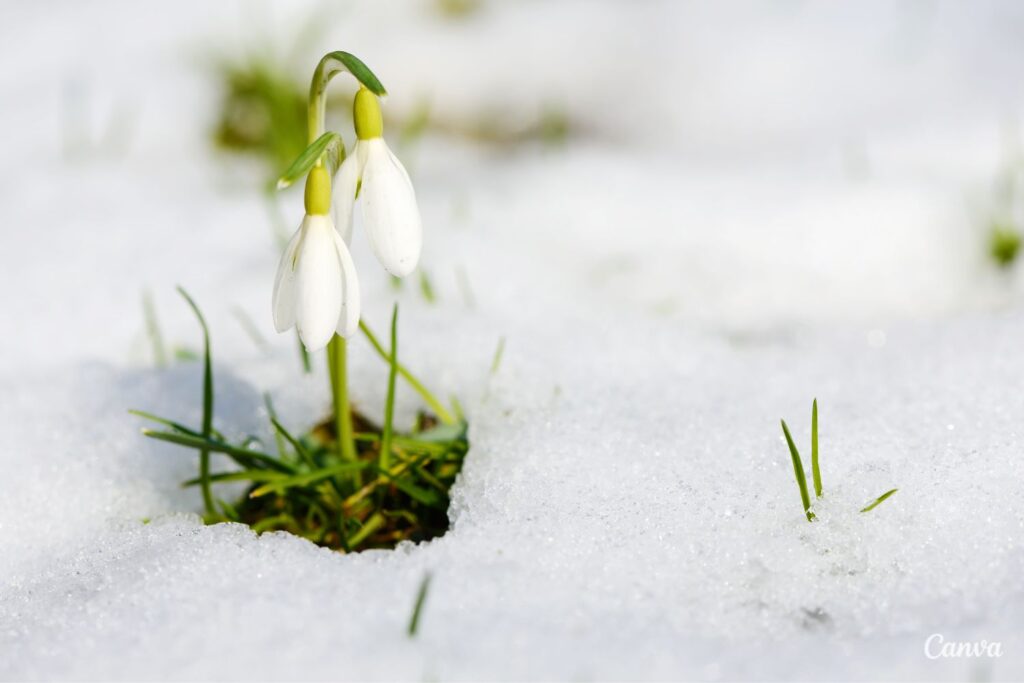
(417, 609)
(243, 456)
(207, 430)
(328, 146)
(798, 471)
(878, 501)
(815, 470)
(333, 62)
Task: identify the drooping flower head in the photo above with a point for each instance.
(316, 289)
(372, 171)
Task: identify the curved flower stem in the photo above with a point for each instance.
(331, 64)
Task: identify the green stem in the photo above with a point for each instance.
(384, 459)
(331, 64)
(442, 413)
(337, 353)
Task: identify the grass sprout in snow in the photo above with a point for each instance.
(417, 608)
(801, 478)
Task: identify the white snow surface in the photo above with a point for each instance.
(758, 204)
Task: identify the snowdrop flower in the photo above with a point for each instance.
(316, 289)
(390, 214)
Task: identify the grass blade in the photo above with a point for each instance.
(427, 288)
(243, 456)
(442, 413)
(204, 453)
(177, 426)
(498, 353)
(246, 323)
(156, 339)
(279, 484)
(375, 522)
(878, 501)
(272, 414)
(417, 609)
(384, 457)
(167, 423)
(798, 470)
(256, 476)
(815, 472)
(427, 497)
(299, 448)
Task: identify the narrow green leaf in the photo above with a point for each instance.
(498, 353)
(228, 510)
(268, 523)
(156, 339)
(427, 288)
(333, 62)
(204, 452)
(173, 425)
(280, 484)
(460, 414)
(878, 501)
(243, 456)
(384, 457)
(328, 146)
(408, 443)
(299, 448)
(426, 496)
(375, 522)
(442, 413)
(798, 470)
(815, 471)
(253, 475)
(417, 609)
(245, 321)
(272, 414)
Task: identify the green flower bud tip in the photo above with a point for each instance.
(318, 192)
(366, 115)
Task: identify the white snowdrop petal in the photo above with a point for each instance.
(348, 320)
(284, 285)
(319, 283)
(346, 181)
(389, 208)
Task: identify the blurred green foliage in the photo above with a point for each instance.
(457, 9)
(1004, 244)
(262, 111)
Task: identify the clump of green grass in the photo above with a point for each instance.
(395, 488)
(801, 478)
(262, 111)
(1004, 244)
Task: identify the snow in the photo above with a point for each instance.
(763, 204)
